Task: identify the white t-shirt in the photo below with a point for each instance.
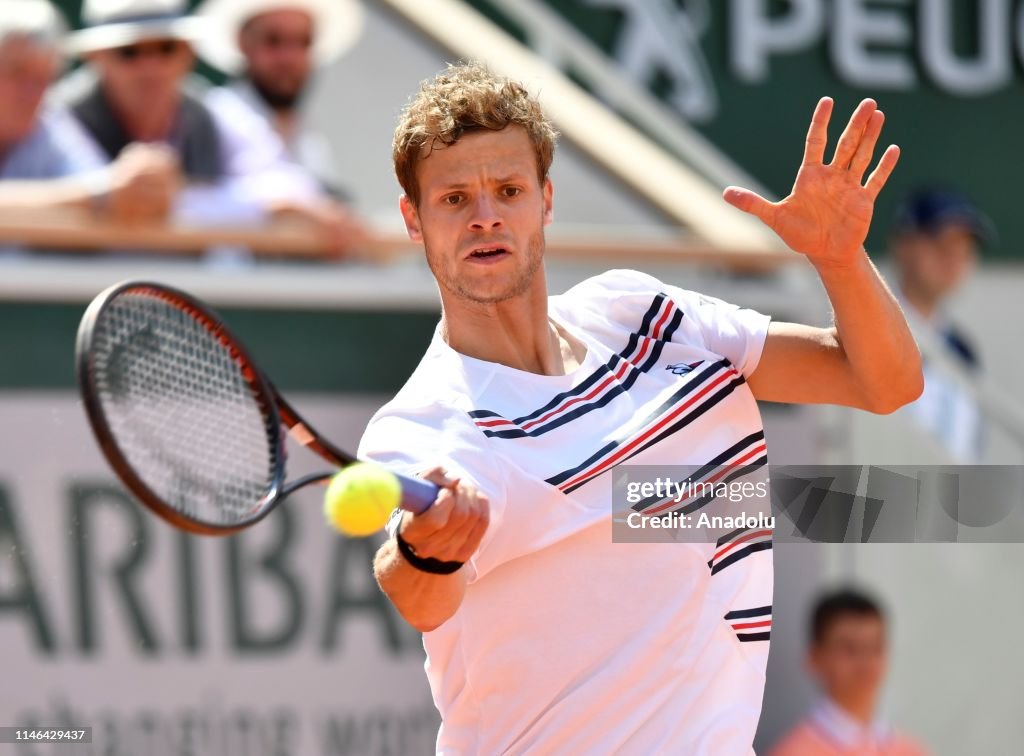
(567, 642)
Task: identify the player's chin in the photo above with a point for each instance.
(498, 292)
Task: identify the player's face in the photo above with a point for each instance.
(481, 215)
(850, 661)
(26, 70)
(277, 46)
(144, 76)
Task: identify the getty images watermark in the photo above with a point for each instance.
(818, 503)
(668, 510)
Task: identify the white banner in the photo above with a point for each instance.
(276, 642)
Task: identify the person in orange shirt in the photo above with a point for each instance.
(848, 657)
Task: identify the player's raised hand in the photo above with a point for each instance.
(828, 213)
(452, 528)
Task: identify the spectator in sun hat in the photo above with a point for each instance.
(273, 49)
(45, 162)
(935, 241)
(139, 53)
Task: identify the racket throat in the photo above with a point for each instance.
(300, 434)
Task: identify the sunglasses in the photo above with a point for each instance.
(277, 41)
(165, 48)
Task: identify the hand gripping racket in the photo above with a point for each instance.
(184, 417)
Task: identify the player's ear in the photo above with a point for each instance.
(549, 212)
(411, 217)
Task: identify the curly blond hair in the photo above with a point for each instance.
(466, 97)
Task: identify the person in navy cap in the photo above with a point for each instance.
(936, 238)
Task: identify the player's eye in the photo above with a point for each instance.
(511, 191)
(452, 199)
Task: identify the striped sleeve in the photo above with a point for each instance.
(734, 332)
(737, 333)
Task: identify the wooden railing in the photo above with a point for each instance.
(74, 232)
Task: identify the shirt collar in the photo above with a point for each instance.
(843, 729)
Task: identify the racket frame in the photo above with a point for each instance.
(417, 494)
(266, 397)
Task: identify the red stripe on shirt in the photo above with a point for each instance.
(746, 625)
(569, 402)
(490, 423)
(672, 503)
(625, 449)
(661, 321)
(732, 544)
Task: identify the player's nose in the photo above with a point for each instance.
(486, 214)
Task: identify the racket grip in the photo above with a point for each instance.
(418, 495)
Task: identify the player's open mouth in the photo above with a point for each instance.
(488, 254)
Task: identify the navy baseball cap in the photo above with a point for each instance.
(929, 210)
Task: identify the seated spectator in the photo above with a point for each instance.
(43, 162)
(139, 53)
(848, 657)
(273, 48)
(934, 244)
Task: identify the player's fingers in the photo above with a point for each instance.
(471, 542)
(882, 172)
(458, 541)
(466, 508)
(817, 133)
(471, 507)
(853, 132)
(439, 477)
(866, 149)
(447, 544)
(422, 526)
(447, 512)
(461, 512)
(750, 202)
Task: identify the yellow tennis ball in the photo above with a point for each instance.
(360, 499)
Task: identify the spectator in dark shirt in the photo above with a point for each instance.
(139, 53)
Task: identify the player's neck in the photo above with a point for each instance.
(517, 334)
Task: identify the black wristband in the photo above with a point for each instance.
(425, 564)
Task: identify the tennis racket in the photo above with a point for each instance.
(186, 419)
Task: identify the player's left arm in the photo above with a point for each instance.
(868, 359)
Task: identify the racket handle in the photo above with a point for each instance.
(418, 495)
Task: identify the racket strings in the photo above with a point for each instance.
(184, 417)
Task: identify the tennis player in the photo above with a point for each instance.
(541, 634)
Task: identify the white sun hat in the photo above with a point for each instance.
(36, 19)
(116, 23)
(336, 26)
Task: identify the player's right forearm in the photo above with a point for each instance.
(425, 600)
